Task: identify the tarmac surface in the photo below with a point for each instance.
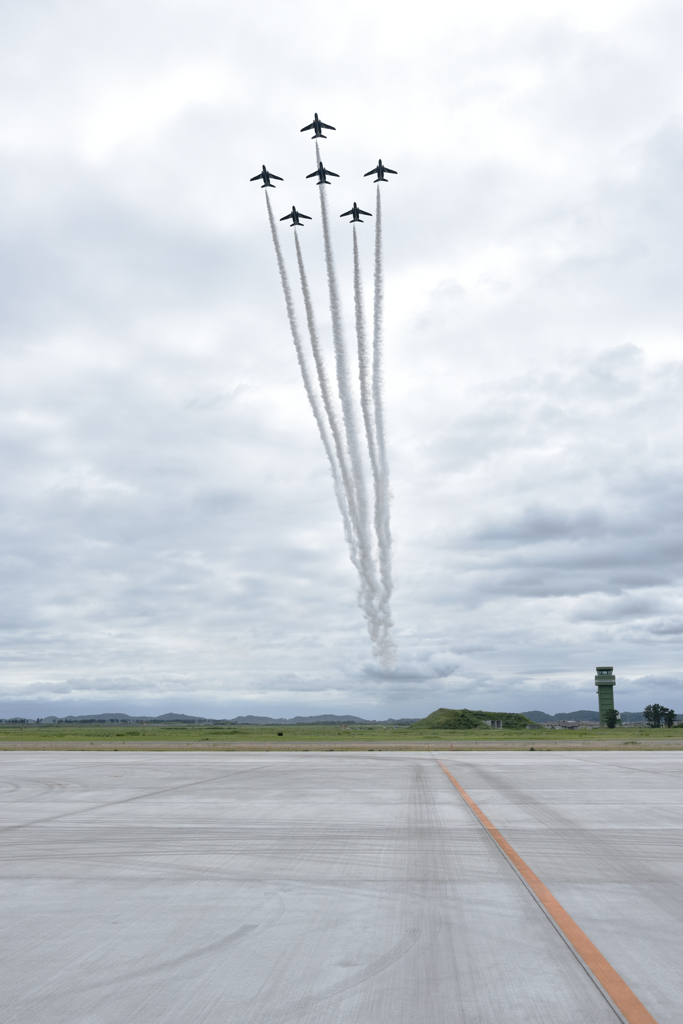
(335, 888)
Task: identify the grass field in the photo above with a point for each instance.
(326, 737)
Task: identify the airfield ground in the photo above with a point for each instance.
(336, 888)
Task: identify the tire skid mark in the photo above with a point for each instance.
(132, 799)
(344, 987)
(123, 977)
(654, 770)
(422, 934)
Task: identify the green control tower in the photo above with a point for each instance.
(605, 682)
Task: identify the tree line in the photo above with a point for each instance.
(655, 716)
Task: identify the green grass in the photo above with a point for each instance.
(418, 734)
(190, 733)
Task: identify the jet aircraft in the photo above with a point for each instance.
(266, 175)
(321, 174)
(380, 170)
(294, 217)
(316, 125)
(354, 213)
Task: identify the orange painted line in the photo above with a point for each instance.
(614, 985)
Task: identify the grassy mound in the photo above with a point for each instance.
(447, 718)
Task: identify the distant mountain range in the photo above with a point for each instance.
(320, 720)
(580, 716)
(120, 717)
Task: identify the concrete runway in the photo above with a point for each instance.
(338, 888)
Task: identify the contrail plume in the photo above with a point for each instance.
(309, 386)
(340, 354)
(365, 374)
(383, 494)
(365, 597)
(364, 363)
(323, 381)
(356, 451)
(368, 573)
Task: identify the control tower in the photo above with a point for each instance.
(605, 682)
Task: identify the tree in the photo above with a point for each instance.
(611, 718)
(669, 717)
(653, 715)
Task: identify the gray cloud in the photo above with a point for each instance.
(167, 524)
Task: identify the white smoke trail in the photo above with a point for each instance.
(370, 584)
(323, 381)
(365, 597)
(364, 364)
(383, 494)
(309, 386)
(365, 374)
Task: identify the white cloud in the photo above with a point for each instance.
(140, 110)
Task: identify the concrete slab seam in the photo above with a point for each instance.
(623, 1000)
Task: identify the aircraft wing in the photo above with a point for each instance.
(373, 171)
(305, 216)
(309, 126)
(277, 177)
(365, 212)
(389, 170)
(347, 214)
(323, 125)
(332, 173)
(289, 216)
(315, 173)
(257, 176)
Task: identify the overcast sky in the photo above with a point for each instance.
(169, 536)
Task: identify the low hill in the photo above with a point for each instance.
(448, 718)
